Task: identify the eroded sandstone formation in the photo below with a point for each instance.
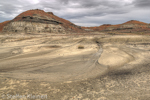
(32, 27)
(132, 26)
(3, 24)
(38, 21)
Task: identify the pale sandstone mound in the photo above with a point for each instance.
(114, 57)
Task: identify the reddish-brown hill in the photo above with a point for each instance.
(132, 26)
(48, 18)
(3, 24)
(100, 28)
(67, 24)
(135, 22)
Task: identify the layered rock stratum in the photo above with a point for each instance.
(38, 21)
(3, 24)
(131, 26)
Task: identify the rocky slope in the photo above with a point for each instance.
(38, 21)
(132, 26)
(3, 24)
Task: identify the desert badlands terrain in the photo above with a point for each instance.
(45, 57)
(76, 67)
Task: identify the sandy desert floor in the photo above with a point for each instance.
(75, 67)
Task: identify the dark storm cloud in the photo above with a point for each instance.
(66, 8)
(8, 8)
(48, 4)
(96, 3)
(64, 1)
(71, 9)
(79, 8)
(142, 3)
(95, 12)
(93, 3)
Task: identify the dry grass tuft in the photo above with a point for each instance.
(80, 47)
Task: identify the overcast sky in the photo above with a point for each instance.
(82, 12)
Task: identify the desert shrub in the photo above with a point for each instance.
(80, 47)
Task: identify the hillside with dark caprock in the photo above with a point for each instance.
(38, 21)
(132, 26)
